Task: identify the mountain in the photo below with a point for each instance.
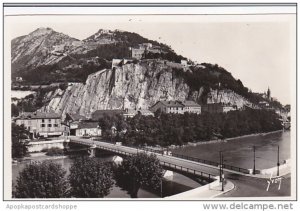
(45, 56)
(44, 46)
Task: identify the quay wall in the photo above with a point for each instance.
(283, 169)
(38, 146)
(194, 193)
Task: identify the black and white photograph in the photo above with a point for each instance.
(150, 103)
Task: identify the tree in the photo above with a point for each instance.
(139, 170)
(41, 180)
(90, 178)
(14, 110)
(19, 147)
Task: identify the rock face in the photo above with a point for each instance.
(227, 97)
(129, 86)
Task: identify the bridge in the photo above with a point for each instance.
(200, 173)
(195, 168)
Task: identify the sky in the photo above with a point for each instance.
(257, 49)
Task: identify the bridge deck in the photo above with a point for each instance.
(178, 164)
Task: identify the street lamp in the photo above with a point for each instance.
(221, 169)
(254, 160)
(278, 163)
(161, 190)
(222, 172)
(220, 155)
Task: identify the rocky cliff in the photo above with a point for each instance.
(129, 86)
(227, 97)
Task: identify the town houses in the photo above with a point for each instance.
(42, 124)
(49, 124)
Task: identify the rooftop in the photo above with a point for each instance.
(76, 117)
(88, 125)
(190, 103)
(96, 115)
(38, 115)
(172, 103)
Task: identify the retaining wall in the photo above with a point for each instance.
(194, 193)
(38, 146)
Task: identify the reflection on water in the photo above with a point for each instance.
(179, 183)
(239, 152)
(20, 94)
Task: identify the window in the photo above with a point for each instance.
(49, 120)
(49, 125)
(42, 125)
(55, 125)
(43, 120)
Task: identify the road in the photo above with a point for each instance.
(257, 187)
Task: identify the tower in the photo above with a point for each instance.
(269, 94)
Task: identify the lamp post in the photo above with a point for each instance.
(220, 155)
(221, 169)
(278, 163)
(161, 190)
(254, 160)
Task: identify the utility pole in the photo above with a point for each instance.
(254, 160)
(278, 163)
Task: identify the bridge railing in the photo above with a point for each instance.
(213, 163)
(188, 170)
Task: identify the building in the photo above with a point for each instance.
(177, 107)
(184, 63)
(42, 124)
(145, 46)
(73, 120)
(129, 113)
(227, 108)
(218, 108)
(264, 104)
(86, 128)
(191, 107)
(137, 53)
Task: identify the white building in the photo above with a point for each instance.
(176, 107)
(88, 129)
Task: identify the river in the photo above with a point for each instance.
(178, 184)
(239, 152)
(19, 94)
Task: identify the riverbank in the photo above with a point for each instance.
(189, 144)
(38, 156)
